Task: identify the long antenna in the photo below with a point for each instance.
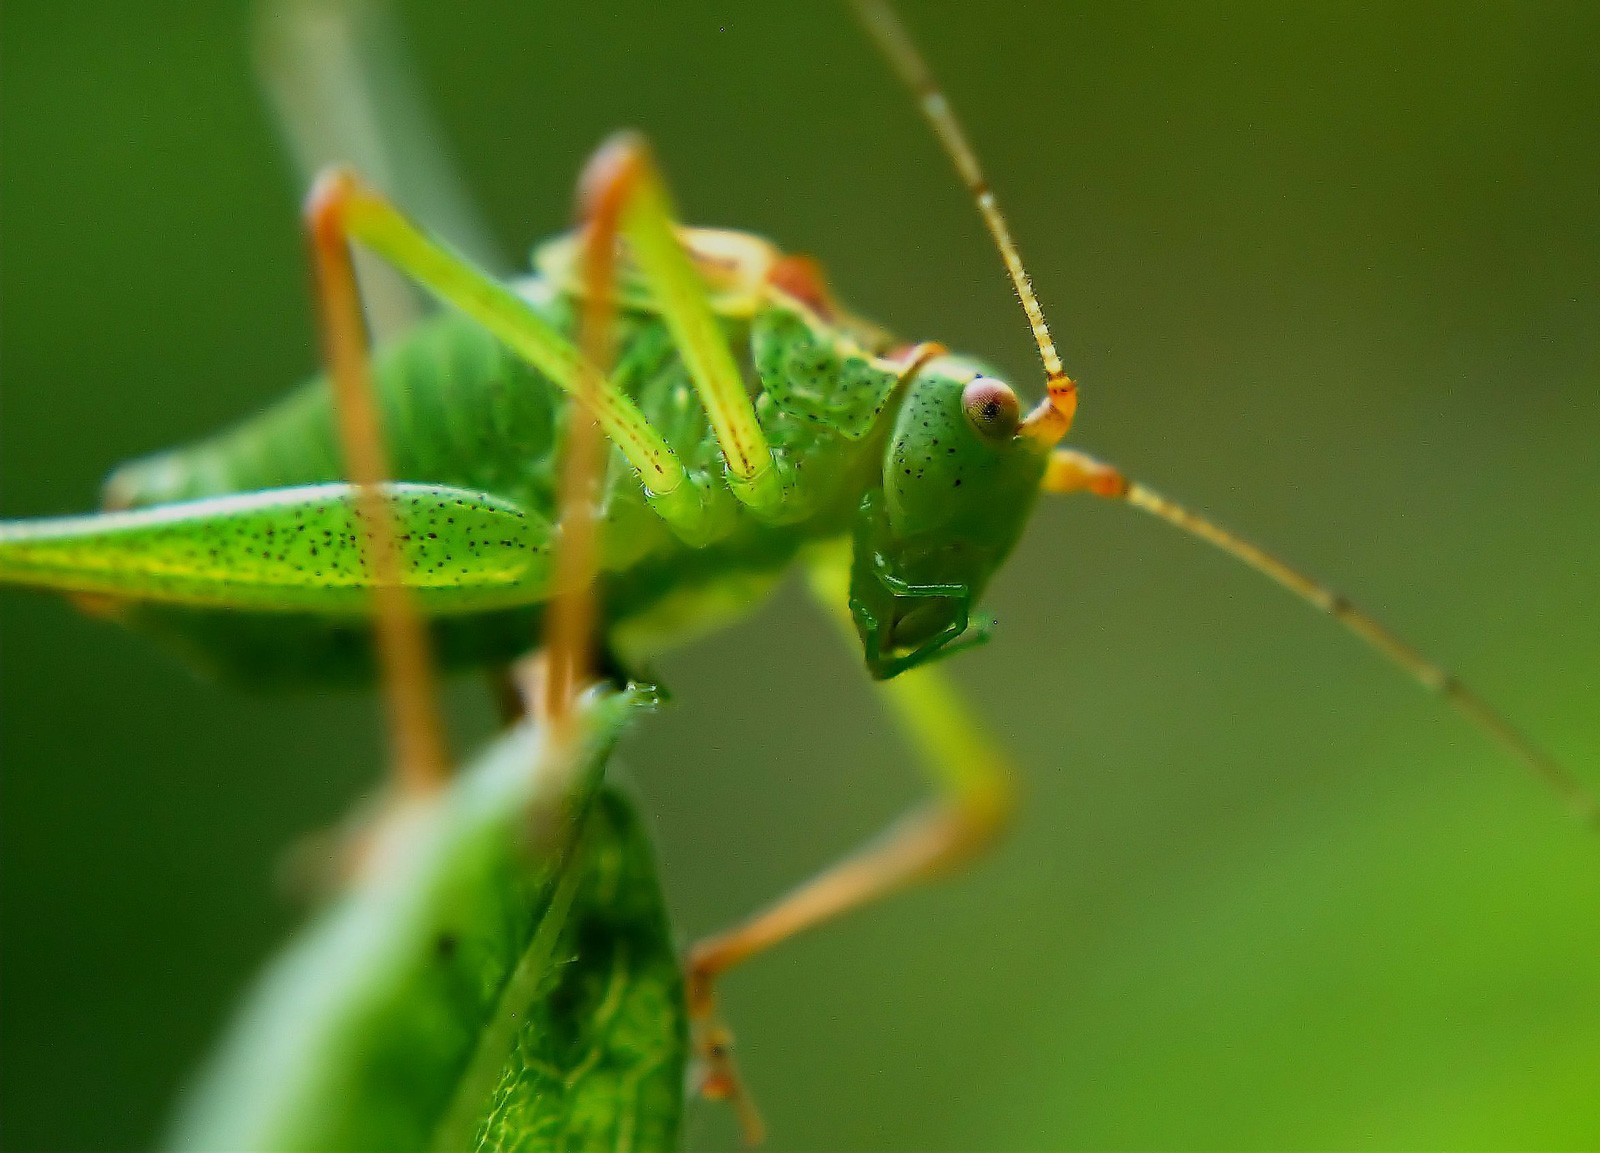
(1075, 472)
(1049, 422)
(1071, 471)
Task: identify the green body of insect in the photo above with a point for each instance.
(915, 459)
(250, 551)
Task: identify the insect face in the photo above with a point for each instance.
(958, 484)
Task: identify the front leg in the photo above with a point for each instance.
(621, 184)
(973, 800)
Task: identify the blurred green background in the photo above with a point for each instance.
(1331, 272)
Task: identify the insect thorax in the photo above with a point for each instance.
(459, 409)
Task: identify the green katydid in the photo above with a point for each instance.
(923, 461)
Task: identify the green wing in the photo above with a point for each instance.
(288, 550)
(502, 978)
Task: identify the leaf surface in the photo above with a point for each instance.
(500, 977)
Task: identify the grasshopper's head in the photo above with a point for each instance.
(959, 478)
(964, 466)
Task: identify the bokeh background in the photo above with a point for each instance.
(1331, 272)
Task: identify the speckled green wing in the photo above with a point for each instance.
(287, 550)
(503, 978)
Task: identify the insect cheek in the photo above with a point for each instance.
(991, 408)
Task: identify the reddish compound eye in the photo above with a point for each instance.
(991, 408)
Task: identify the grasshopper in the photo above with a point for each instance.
(753, 422)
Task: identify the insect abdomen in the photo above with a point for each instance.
(457, 409)
(460, 410)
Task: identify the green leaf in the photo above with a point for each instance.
(502, 977)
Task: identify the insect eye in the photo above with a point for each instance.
(991, 408)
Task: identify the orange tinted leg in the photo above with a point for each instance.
(621, 183)
(973, 802)
(416, 735)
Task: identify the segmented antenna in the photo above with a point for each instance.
(1049, 422)
(1071, 471)
(1430, 676)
